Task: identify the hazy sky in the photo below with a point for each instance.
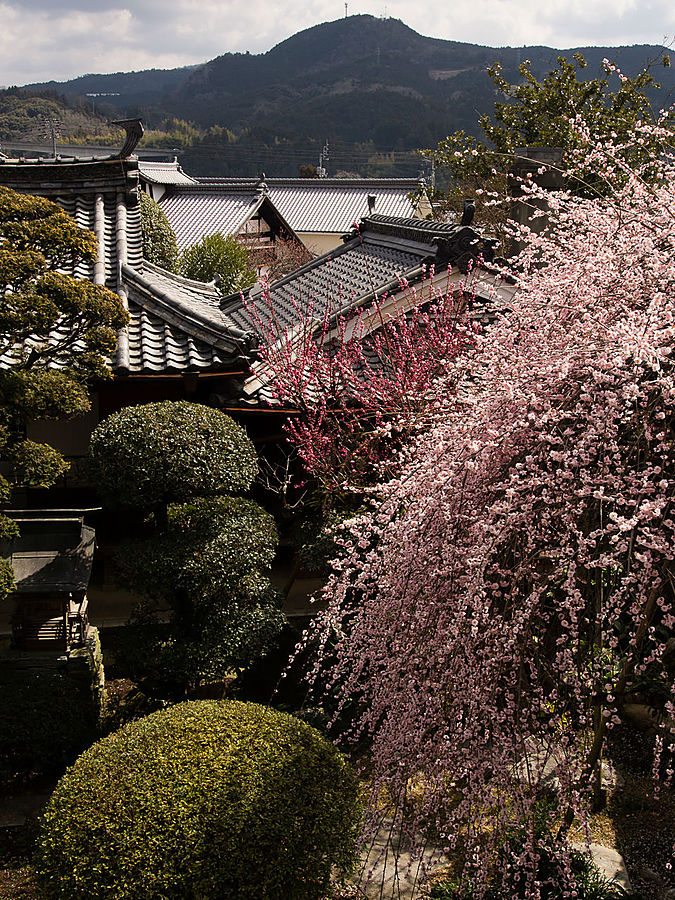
(45, 39)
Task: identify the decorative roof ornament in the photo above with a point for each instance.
(468, 211)
(464, 249)
(262, 185)
(134, 129)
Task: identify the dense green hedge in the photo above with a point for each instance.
(170, 451)
(159, 238)
(212, 549)
(211, 567)
(204, 800)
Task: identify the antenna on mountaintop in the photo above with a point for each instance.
(345, 10)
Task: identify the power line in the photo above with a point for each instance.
(336, 148)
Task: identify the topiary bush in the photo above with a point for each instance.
(159, 239)
(217, 256)
(214, 549)
(204, 800)
(208, 559)
(171, 451)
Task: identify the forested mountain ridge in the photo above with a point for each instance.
(357, 81)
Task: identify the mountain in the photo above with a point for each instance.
(123, 90)
(360, 81)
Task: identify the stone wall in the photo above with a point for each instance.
(50, 705)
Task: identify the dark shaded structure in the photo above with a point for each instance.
(52, 558)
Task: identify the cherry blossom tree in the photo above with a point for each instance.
(490, 613)
(362, 381)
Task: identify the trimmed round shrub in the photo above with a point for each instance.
(212, 550)
(170, 451)
(219, 256)
(204, 800)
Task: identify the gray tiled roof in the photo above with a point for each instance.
(329, 284)
(316, 205)
(81, 208)
(195, 213)
(163, 172)
(183, 325)
(334, 205)
(74, 185)
(176, 325)
(378, 257)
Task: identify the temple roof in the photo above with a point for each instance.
(179, 325)
(176, 325)
(378, 257)
(53, 553)
(164, 172)
(308, 205)
(196, 211)
(75, 186)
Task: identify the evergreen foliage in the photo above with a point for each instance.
(157, 453)
(205, 800)
(204, 555)
(221, 258)
(159, 240)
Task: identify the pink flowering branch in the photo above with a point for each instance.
(490, 612)
(364, 379)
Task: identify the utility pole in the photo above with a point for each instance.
(52, 128)
(49, 129)
(323, 158)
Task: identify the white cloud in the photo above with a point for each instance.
(556, 23)
(45, 39)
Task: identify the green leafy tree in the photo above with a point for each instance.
(202, 553)
(205, 800)
(159, 240)
(546, 113)
(55, 336)
(218, 257)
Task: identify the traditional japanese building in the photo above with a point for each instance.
(52, 558)
(184, 339)
(248, 214)
(156, 177)
(318, 211)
